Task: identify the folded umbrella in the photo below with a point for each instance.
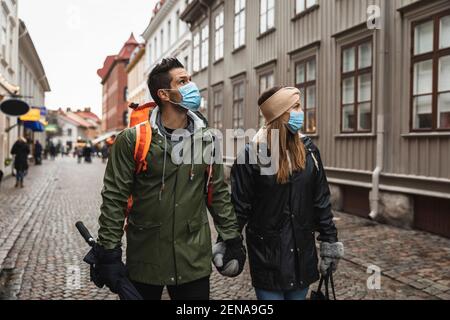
(125, 288)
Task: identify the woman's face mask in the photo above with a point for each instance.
(190, 97)
(296, 120)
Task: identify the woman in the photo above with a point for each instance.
(284, 209)
(21, 150)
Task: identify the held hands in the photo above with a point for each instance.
(229, 257)
(330, 254)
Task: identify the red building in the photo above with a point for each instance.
(114, 81)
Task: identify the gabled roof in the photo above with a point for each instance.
(124, 55)
(88, 115)
(79, 120)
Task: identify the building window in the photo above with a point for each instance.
(169, 32)
(11, 44)
(4, 32)
(186, 63)
(303, 5)
(196, 58)
(238, 105)
(266, 81)
(266, 15)
(218, 109)
(69, 132)
(239, 23)
(205, 47)
(177, 25)
(305, 81)
(218, 37)
(357, 87)
(204, 102)
(162, 42)
(150, 56)
(155, 49)
(430, 100)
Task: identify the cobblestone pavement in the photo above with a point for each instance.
(41, 252)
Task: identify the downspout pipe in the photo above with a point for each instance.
(210, 38)
(375, 195)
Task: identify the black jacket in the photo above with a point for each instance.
(21, 150)
(282, 221)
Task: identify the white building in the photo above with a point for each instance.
(9, 43)
(167, 36)
(32, 78)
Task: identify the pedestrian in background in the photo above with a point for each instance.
(87, 152)
(52, 151)
(105, 153)
(20, 150)
(37, 153)
(284, 210)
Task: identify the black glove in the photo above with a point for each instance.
(229, 257)
(107, 267)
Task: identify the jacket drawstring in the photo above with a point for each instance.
(192, 173)
(163, 181)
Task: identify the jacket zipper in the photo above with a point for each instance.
(173, 229)
(297, 261)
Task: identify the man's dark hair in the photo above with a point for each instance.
(160, 78)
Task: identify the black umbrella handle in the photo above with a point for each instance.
(85, 233)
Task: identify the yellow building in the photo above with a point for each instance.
(137, 83)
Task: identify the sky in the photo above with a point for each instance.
(73, 38)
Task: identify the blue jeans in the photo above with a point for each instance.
(20, 175)
(299, 294)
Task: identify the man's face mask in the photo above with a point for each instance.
(190, 97)
(296, 120)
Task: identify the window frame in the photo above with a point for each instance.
(243, 29)
(306, 84)
(217, 31)
(196, 57)
(240, 100)
(204, 43)
(355, 75)
(264, 74)
(434, 56)
(219, 107)
(269, 29)
(306, 9)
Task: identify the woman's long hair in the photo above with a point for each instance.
(292, 150)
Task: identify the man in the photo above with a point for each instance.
(37, 153)
(168, 235)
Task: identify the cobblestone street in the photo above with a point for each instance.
(40, 249)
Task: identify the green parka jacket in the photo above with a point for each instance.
(168, 235)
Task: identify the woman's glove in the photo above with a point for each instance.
(229, 257)
(330, 254)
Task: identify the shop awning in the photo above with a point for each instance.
(32, 115)
(35, 126)
(51, 128)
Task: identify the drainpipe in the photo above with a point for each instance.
(210, 59)
(375, 196)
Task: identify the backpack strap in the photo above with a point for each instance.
(311, 148)
(142, 147)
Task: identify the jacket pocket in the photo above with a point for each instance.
(264, 250)
(143, 243)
